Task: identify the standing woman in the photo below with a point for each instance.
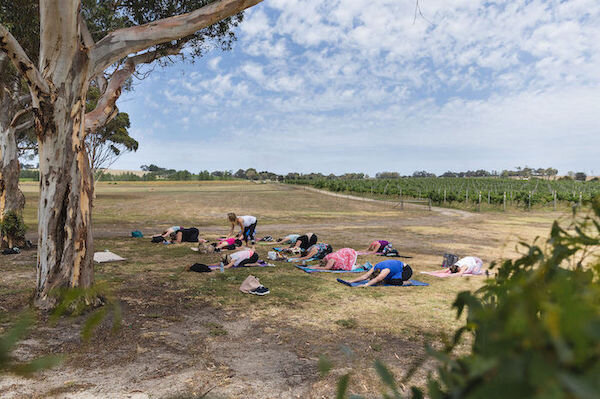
(247, 226)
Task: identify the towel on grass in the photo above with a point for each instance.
(106, 256)
(409, 283)
(387, 256)
(444, 274)
(303, 261)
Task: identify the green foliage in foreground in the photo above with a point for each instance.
(74, 302)
(535, 327)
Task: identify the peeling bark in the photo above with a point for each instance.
(11, 197)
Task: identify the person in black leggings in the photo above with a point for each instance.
(305, 241)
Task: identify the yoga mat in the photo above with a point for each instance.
(309, 270)
(106, 256)
(263, 264)
(409, 283)
(442, 274)
(387, 256)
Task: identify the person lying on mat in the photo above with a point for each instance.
(179, 234)
(342, 259)
(289, 239)
(247, 225)
(317, 251)
(227, 244)
(305, 241)
(377, 247)
(393, 272)
(243, 257)
(466, 265)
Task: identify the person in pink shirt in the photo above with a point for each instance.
(342, 259)
(227, 244)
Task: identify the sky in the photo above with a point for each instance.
(336, 86)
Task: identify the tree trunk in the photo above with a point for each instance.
(11, 197)
(65, 243)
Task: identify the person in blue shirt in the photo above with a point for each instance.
(390, 271)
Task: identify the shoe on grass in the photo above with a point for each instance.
(260, 290)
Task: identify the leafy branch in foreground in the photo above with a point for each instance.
(535, 327)
(72, 302)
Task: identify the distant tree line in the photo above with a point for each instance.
(154, 172)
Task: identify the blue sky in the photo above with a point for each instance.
(337, 86)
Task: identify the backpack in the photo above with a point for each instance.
(407, 273)
(137, 234)
(449, 260)
(200, 268)
(157, 239)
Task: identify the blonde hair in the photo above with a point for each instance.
(231, 216)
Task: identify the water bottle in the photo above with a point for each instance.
(221, 267)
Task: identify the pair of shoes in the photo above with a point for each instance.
(260, 290)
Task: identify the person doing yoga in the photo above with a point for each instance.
(305, 241)
(317, 251)
(392, 272)
(289, 239)
(243, 257)
(342, 259)
(467, 265)
(179, 234)
(376, 247)
(227, 244)
(247, 225)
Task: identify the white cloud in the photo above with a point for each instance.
(499, 81)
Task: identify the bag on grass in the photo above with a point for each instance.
(449, 260)
(200, 268)
(157, 239)
(249, 284)
(137, 234)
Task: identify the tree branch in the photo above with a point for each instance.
(24, 126)
(15, 52)
(86, 36)
(106, 108)
(120, 43)
(18, 116)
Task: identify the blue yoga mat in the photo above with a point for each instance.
(309, 270)
(409, 283)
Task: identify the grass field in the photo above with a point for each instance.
(184, 334)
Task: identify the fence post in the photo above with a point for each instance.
(554, 200)
(504, 201)
(479, 203)
(444, 196)
(430, 204)
(489, 197)
(580, 198)
(529, 204)
(467, 197)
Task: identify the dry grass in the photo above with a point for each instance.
(311, 314)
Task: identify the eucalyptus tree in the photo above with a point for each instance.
(70, 58)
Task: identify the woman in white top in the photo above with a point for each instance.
(247, 226)
(243, 257)
(467, 265)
